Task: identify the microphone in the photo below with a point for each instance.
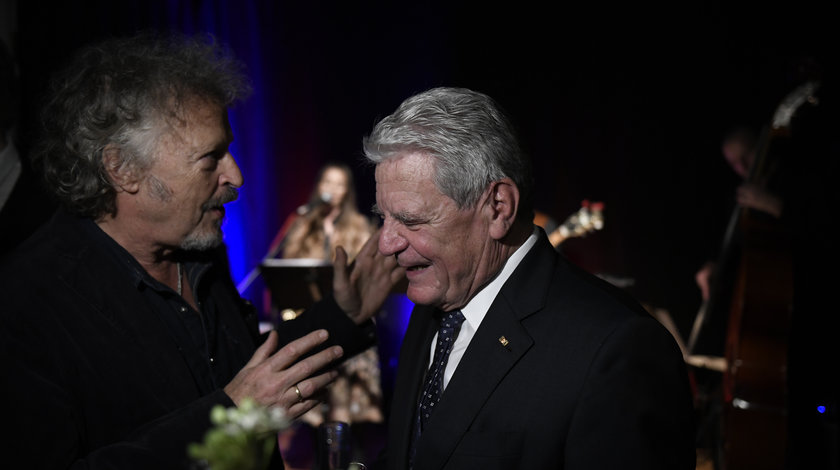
(323, 199)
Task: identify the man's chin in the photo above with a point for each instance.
(422, 296)
(202, 242)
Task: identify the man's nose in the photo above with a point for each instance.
(230, 173)
(390, 240)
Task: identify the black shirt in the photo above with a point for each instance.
(198, 336)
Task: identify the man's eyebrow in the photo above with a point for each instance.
(401, 217)
(406, 218)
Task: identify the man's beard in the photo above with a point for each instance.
(198, 240)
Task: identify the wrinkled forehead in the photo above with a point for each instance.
(408, 166)
(201, 126)
(406, 182)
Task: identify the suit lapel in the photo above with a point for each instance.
(414, 359)
(484, 365)
(487, 360)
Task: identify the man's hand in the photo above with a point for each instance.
(280, 379)
(372, 276)
(754, 196)
(703, 278)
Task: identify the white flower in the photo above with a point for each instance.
(249, 431)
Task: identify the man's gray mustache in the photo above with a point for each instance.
(230, 195)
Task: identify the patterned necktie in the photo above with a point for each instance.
(450, 324)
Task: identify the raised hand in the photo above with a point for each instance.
(280, 378)
(361, 289)
(754, 196)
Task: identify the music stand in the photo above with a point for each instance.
(297, 283)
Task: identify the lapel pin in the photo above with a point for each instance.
(504, 341)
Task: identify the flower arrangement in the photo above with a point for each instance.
(243, 437)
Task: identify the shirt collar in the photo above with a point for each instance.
(193, 270)
(477, 307)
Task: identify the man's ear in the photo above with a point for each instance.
(504, 204)
(123, 178)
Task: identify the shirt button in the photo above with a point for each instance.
(183, 309)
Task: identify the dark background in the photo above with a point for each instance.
(621, 103)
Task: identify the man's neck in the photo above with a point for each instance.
(155, 259)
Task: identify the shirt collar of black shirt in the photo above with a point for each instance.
(193, 332)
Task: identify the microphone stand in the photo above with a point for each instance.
(274, 248)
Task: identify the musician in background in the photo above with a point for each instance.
(331, 218)
(739, 148)
(797, 190)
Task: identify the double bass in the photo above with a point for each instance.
(755, 294)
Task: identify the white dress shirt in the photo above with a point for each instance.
(477, 307)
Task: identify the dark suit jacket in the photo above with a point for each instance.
(587, 380)
(92, 378)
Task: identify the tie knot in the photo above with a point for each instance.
(450, 323)
(452, 319)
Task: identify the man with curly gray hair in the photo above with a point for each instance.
(120, 324)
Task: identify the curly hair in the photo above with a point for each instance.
(117, 93)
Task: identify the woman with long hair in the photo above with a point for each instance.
(329, 219)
